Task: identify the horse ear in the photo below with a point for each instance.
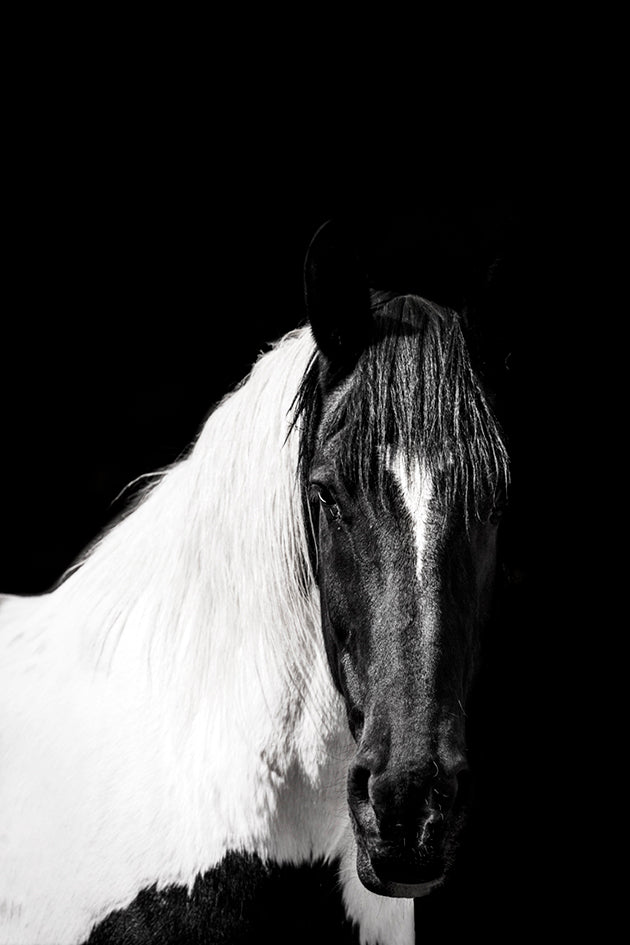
(337, 295)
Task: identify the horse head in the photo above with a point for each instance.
(403, 469)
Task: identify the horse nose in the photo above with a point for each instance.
(420, 799)
(406, 801)
(403, 816)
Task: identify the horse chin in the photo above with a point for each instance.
(390, 887)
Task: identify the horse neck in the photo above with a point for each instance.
(204, 588)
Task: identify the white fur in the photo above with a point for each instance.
(379, 918)
(417, 489)
(171, 700)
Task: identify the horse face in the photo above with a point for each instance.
(404, 562)
(404, 584)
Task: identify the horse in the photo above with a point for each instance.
(271, 651)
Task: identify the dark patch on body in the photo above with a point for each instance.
(241, 902)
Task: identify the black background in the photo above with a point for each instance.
(156, 234)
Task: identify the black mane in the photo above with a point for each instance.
(413, 388)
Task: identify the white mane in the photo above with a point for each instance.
(212, 559)
(170, 700)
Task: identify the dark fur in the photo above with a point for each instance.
(240, 902)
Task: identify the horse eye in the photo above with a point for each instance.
(324, 496)
(327, 500)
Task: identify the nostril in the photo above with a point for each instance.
(464, 786)
(460, 768)
(358, 783)
(450, 776)
(356, 720)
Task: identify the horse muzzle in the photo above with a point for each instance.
(395, 873)
(405, 825)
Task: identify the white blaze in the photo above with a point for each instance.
(416, 487)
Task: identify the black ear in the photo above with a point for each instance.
(337, 295)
